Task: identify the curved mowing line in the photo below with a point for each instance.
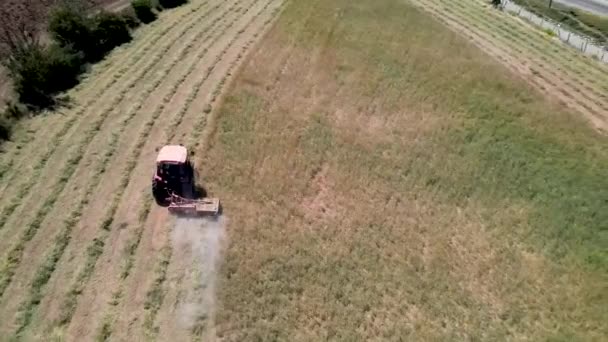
(570, 87)
(149, 41)
(44, 272)
(106, 328)
(95, 249)
(16, 254)
(25, 188)
(83, 90)
(537, 45)
(155, 295)
(77, 115)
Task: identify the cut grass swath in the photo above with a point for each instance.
(111, 76)
(156, 294)
(15, 255)
(95, 250)
(128, 70)
(170, 132)
(44, 272)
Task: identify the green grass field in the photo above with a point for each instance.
(384, 179)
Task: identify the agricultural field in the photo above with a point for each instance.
(389, 170)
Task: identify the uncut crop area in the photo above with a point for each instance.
(84, 253)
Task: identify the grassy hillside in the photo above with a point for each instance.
(383, 178)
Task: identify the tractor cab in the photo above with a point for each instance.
(174, 185)
(174, 174)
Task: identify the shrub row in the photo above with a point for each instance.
(40, 72)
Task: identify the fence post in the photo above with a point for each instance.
(568, 39)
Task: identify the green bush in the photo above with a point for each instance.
(70, 26)
(128, 15)
(38, 73)
(95, 36)
(172, 3)
(109, 31)
(143, 10)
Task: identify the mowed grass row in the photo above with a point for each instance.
(585, 71)
(169, 131)
(105, 101)
(105, 72)
(550, 83)
(541, 50)
(202, 49)
(102, 75)
(84, 114)
(15, 254)
(44, 272)
(95, 249)
(533, 44)
(155, 295)
(398, 183)
(107, 110)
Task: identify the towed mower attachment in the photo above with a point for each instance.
(194, 207)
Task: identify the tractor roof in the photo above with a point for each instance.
(172, 154)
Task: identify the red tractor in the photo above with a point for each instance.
(174, 184)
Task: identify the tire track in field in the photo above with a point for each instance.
(538, 58)
(64, 234)
(542, 83)
(141, 289)
(85, 274)
(79, 116)
(110, 76)
(16, 253)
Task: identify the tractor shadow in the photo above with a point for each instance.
(199, 192)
